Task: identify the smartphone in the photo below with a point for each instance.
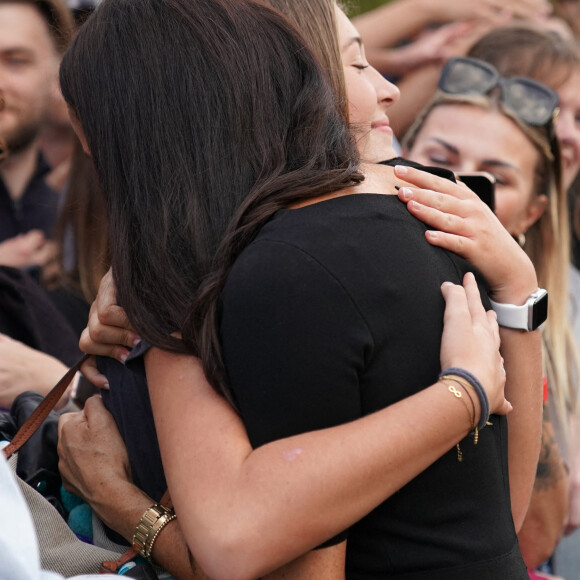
(482, 183)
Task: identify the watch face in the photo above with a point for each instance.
(539, 311)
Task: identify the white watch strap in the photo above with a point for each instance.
(528, 316)
(512, 316)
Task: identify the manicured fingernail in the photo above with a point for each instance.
(136, 340)
(405, 193)
(401, 170)
(106, 387)
(446, 284)
(123, 358)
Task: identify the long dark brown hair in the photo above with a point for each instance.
(203, 119)
(81, 231)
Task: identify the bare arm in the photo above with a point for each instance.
(377, 27)
(231, 498)
(23, 368)
(573, 516)
(544, 522)
(25, 250)
(243, 493)
(416, 88)
(94, 466)
(469, 228)
(431, 46)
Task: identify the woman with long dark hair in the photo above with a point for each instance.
(269, 138)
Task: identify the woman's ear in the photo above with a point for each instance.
(78, 129)
(533, 213)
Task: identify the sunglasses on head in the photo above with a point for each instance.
(533, 102)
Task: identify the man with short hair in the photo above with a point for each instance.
(33, 37)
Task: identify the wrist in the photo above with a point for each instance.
(516, 293)
(154, 519)
(120, 506)
(476, 392)
(474, 407)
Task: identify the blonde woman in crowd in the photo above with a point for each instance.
(479, 121)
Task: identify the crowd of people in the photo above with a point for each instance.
(333, 356)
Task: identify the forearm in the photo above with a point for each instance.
(121, 507)
(376, 27)
(397, 61)
(544, 522)
(416, 88)
(245, 510)
(522, 352)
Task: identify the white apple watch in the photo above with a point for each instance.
(529, 316)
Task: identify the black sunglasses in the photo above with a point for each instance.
(533, 102)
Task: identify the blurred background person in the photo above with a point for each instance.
(426, 34)
(466, 130)
(33, 36)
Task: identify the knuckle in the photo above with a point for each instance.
(448, 222)
(107, 313)
(127, 337)
(85, 338)
(439, 201)
(97, 333)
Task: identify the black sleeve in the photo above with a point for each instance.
(294, 343)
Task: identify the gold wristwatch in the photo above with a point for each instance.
(150, 525)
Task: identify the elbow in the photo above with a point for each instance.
(538, 539)
(536, 553)
(228, 554)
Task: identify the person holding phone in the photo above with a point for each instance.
(479, 121)
(554, 60)
(482, 183)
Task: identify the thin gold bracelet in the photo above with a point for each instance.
(459, 395)
(465, 383)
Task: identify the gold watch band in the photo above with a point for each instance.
(149, 527)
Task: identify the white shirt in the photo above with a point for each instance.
(18, 545)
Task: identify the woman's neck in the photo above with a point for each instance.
(378, 179)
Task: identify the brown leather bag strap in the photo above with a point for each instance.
(41, 412)
(113, 566)
(33, 423)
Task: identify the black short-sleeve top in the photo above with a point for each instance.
(335, 311)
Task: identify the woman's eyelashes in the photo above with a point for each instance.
(442, 159)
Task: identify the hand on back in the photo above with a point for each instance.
(471, 340)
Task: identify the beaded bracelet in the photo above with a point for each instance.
(473, 382)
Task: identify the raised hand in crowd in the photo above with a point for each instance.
(27, 250)
(25, 369)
